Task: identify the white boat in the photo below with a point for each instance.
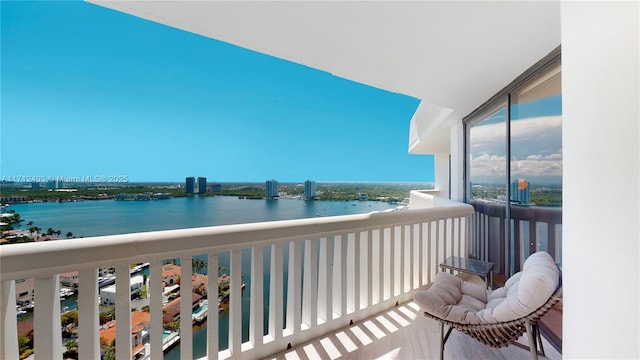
(19, 311)
(138, 267)
(65, 292)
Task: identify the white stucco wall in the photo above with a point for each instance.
(601, 197)
(441, 173)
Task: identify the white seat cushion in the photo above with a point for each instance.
(453, 299)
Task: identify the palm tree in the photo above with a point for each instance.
(198, 265)
(222, 270)
(69, 234)
(34, 229)
(72, 349)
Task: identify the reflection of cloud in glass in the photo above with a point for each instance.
(488, 165)
(536, 145)
(548, 157)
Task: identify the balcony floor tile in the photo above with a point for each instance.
(402, 333)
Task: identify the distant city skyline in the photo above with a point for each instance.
(90, 92)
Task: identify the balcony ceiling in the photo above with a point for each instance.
(452, 56)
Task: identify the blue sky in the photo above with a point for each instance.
(88, 91)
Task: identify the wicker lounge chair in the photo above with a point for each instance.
(496, 317)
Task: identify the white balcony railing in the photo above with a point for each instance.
(340, 269)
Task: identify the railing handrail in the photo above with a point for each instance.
(527, 213)
(17, 260)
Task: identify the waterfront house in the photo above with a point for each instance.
(459, 59)
(69, 279)
(108, 293)
(139, 333)
(199, 284)
(25, 292)
(170, 274)
(171, 311)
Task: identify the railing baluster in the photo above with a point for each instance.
(370, 267)
(336, 282)
(437, 241)
(473, 235)
(310, 291)
(213, 294)
(458, 238)
(339, 275)
(517, 239)
(466, 237)
(390, 261)
(123, 311)
(533, 236)
(89, 322)
(356, 254)
(155, 308)
(343, 274)
(235, 303)
(294, 292)
(415, 254)
(427, 253)
(256, 319)
(350, 279)
(385, 267)
(8, 318)
(422, 258)
(186, 330)
(401, 259)
(487, 238)
(414, 251)
(46, 318)
(275, 293)
(324, 288)
(551, 240)
(379, 281)
(407, 254)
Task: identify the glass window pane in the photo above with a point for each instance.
(487, 166)
(487, 156)
(536, 142)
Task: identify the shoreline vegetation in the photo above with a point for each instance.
(15, 192)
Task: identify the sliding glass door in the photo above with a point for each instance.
(514, 170)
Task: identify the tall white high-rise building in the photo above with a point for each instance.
(309, 190)
(272, 189)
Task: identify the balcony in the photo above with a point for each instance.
(331, 272)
